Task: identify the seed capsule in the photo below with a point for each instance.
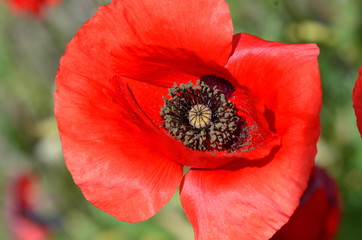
(200, 116)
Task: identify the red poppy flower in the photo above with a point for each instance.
(318, 214)
(21, 201)
(131, 114)
(34, 7)
(357, 100)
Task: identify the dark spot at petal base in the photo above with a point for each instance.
(221, 84)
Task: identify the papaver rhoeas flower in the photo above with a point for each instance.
(34, 7)
(21, 202)
(148, 87)
(318, 214)
(357, 100)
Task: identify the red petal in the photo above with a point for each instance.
(156, 41)
(317, 217)
(357, 100)
(250, 203)
(251, 200)
(118, 158)
(286, 79)
(194, 45)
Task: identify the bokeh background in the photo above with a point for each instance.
(30, 49)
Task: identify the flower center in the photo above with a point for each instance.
(202, 118)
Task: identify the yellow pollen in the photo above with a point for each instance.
(200, 116)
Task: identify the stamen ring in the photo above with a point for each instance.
(202, 118)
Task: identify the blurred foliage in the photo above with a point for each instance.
(29, 56)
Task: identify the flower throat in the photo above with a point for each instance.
(202, 118)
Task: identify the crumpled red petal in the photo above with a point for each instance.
(285, 78)
(357, 100)
(117, 157)
(262, 195)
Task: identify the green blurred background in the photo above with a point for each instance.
(30, 49)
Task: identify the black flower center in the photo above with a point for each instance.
(202, 118)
